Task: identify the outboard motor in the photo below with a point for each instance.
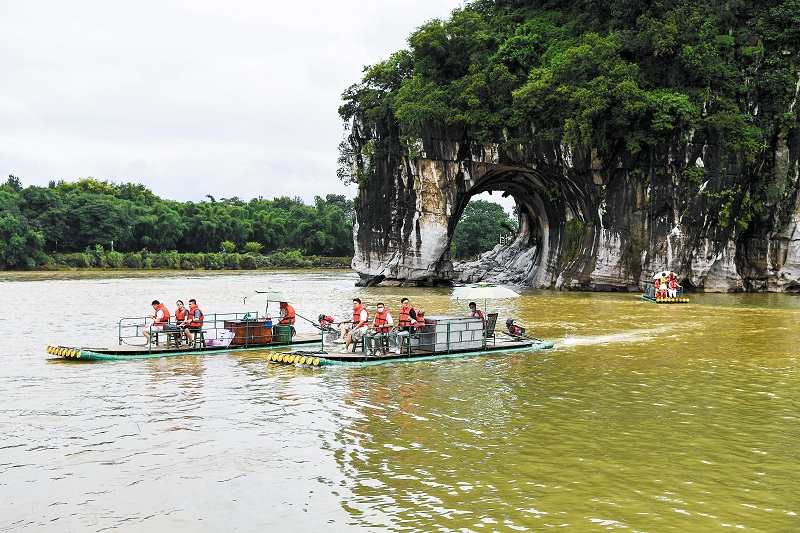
(513, 329)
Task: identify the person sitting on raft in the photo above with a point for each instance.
(326, 326)
(475, 312)
(672, 291)
(407, 318)
(193, 322)
(286, 314)
(660, 289)
(358, 326)
(180, 316)
(381, 325)
(160, 319)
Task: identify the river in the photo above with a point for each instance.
(643, 417)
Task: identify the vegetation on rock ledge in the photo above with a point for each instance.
(610, 75)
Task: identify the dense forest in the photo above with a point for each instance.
(90, 215)
(479, 228)
(92, 223)
(610, 74)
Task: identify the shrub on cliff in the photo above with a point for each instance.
(607, 75)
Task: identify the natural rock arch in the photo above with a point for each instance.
(588, 220)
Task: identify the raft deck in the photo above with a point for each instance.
(332, 356)
(127, 351)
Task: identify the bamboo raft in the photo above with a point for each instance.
(457, 337)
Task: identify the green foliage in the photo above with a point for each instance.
(133, 260)
(724, 203)
(232, 261)
(605, 75)
(248, 262)
(252, 247)
(289, 259)
(356, 166)
(77, 260)
(20, 244)
(96, 215)
(115, 260)
(737, 134)
(695, 175)
(574, 232)
(174, 260)
(479, 229)
(671, 110)
(212, 261)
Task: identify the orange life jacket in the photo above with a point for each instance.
(381, 322)
(165, 320)
(194, 320)
(180, 314)
(477, 313)
(288, 318)
(357, 314)
(405, 316)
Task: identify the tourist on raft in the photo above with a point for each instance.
(672, 290)
(358, 326)
(381, 325)
(160, 319)
(194, 321)
(666, 285)
(180, 317)
(409, 318)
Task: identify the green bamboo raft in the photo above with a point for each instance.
(442, 338)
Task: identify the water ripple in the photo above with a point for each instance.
(648, 418)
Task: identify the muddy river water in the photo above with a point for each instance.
(643, 417)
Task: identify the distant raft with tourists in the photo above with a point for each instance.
(665, 289)
(429, 337)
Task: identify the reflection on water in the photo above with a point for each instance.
(644, 417)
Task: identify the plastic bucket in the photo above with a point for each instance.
(282, 334)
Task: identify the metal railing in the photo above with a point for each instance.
(460, 339)
(130, 329)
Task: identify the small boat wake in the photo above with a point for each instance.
(639, 335)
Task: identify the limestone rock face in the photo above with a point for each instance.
(587, 220)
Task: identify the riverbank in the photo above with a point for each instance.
(145, 260)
